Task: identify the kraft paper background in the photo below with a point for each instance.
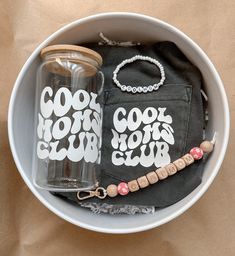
(26, 226)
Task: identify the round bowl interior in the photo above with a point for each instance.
(122, 27)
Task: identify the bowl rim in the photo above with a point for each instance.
(35, 54)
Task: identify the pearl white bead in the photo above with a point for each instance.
(128, 88)
(145, 89)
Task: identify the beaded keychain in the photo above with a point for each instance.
(152, 177)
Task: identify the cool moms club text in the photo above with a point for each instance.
(66, 120)
(154, 137)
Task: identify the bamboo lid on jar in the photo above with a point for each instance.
(72, 48)
(89, 59)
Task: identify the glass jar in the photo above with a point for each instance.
(68, 119)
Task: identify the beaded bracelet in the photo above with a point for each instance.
(152, 177)
(139, 89)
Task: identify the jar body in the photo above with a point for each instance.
(68, 123)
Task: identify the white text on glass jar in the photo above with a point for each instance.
(79, 121)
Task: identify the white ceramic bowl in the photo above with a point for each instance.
(119, 26)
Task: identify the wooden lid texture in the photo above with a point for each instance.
(56, 66)
(75, 48)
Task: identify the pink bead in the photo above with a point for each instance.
(197, 153)
(123, 188)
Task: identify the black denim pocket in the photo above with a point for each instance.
(144, 132)
(176, 111)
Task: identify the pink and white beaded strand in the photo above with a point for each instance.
(123, 188)
(139, 89)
